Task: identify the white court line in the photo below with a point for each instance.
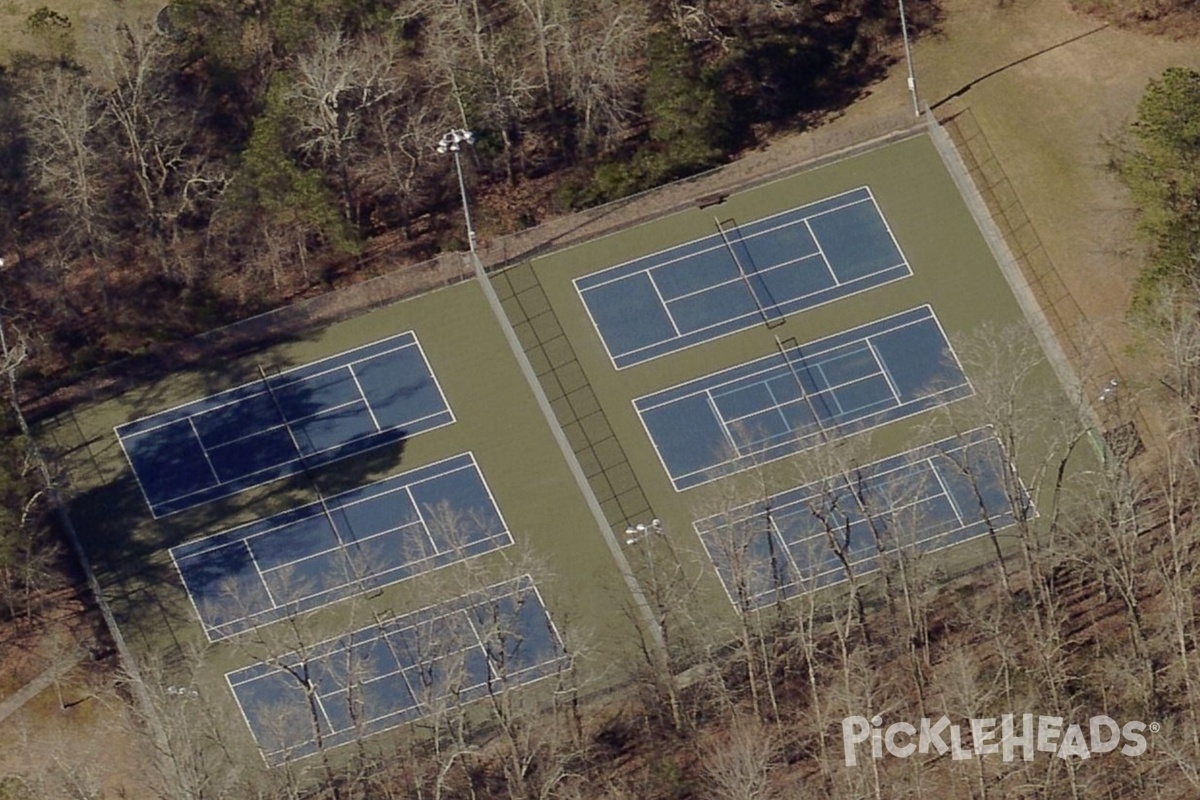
(496, 541)
(766, 381)
(290, 462)
(191, 599)
(421, 520)
(946, 491)
(422, 566)
(137, 477)
(371, 493)
(341, 547)
(203, 449)
(778, 406)
(722, 423)
(821, 251)
(663, 302)
(259, 393)
(750, 319)
(613, 357)
(816, 355)
(261, 577)
(762, 458)
(521, 584)
(888, 227)
(928, 534)
(887, 375)
(904, 458)
(700, 239)
(436, 383)
(829, 390)
(763, 271)
(363, 395)
(262, 752)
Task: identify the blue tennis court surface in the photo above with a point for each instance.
(340, 406)
(741, 276)
(775, 406)
(939, 495)
(383, 676)
(355, 542)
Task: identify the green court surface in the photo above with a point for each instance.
(555, 538)
(953, 272)
(955, 289)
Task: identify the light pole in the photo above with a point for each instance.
(452, 142)
(912, 81)
(636, 533)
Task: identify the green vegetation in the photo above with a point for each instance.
(1161, 172)
(179, 178)
(27, 551)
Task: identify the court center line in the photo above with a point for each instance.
(363, 395)
(921, 404)
(821, 250)
(421, 519)
(741, 322)
(702, 239)
(887, 375)
(829, 391)
(946, 491)
(828, 388)
(757, 272)
(724, 425)
(778, 406)
(663, 302)
(203, 450)
(247, 392)
(261, 577)
(759, 366)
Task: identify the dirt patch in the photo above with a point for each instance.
(75, 735)
(1053, 90)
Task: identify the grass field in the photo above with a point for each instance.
(86, 18)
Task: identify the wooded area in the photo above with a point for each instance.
(238, 155)
(254, 152)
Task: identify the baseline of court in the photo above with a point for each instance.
(355, 542)
(781, 404)
(935, 496)
(384, 675)
(755, 272)
(304, 417)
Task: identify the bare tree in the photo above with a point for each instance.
(740, 765)
(64, 116)
(337, 81)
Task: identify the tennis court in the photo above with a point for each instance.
(939, 495)
(775, 406)
(396, 671)
(742, 275)
(355, 542)
(304, 417)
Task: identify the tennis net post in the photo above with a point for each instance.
(745, 276)
(308, 473)
(812, 408)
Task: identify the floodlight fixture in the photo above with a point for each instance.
(452, 142)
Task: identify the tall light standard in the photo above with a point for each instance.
(452, 142)
(912, 81)
(636, 533)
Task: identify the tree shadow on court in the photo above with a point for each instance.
(129, 549)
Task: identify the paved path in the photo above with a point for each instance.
(10, 704)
